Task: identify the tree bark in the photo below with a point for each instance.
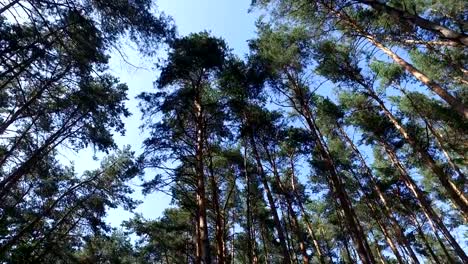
(443, 32)
(271, 202)
(336, 185)
(457, 196)
(289, 203)
(437, 137)
(423, 202)
(250, 253)
(203, 248)
(305, 216)
(386, 208)
(220, 243)
(454, 102)
(426, 243)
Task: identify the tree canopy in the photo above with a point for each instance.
(340, 137)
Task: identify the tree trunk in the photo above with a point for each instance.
(50, 143)
(375, 215)
(233, 237)
(379, 252)
(289, 202)
(250, 253)
(453, 191)
(337, 187)
(220, 243)
(423, 237)
(305, 216)
(454, 102)
(288, 230)
(265, 248)
(387, 236)
(442, 31)
(271, 202)
(437, 136)
(423, 202)
(203, 254)
(385, 208)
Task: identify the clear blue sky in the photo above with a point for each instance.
(223, 18)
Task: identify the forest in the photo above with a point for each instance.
(340, 137)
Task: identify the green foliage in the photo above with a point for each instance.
(320, 146)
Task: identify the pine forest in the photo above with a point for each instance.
(340, 135)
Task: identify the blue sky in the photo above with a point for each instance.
(223, 18)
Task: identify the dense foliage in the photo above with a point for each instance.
(339, 138)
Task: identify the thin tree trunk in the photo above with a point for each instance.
(437, 137)
(392, 245)
(442, 31)
(50, 143)
(375, 215)
(337, 186)
(338, 190)
(233, 237)
(288, 232)
(348, 252)
(289, 203)
(249, 215)
(439, 240)
(423, 237)
(387, 236)
(220, 247)
(203, 254)
(378, 250)
(25, 107)
(265, 248)
(456, 195)
(276, 219)
(9, 5)
(454, 102)
(423, 202)
(385, 209)
(305, 216)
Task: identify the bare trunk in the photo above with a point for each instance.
(8, 6)
(354, 226)
(233, 237)
(289, 203)
(203, 254)
(385, 209)
(338, 190)
(250, 253)
(437, 137)
(286, 219)
(454, 102)
(456, 195)
(388, 237)
(265, 248)
(379, 253)
(305, 216)
(375, 215)
(442, 31)
(220, 243)
(271, 202)
(423, 237)
(424, 203)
